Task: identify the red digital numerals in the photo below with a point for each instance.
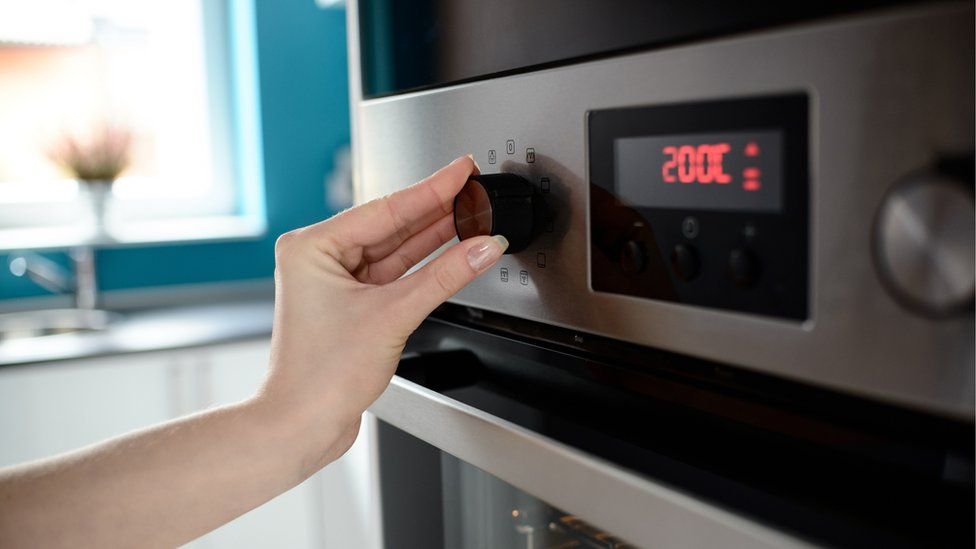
(701, 164)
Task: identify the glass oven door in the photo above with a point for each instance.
(433, 499)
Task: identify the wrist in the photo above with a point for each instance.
(308, 425)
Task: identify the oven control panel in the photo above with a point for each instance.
(777, 201)
(703, 203)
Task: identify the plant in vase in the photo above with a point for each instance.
(95, 162)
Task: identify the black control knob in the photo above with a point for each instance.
(633, 257)
(684, 261)
(502, 203)
(743, 268)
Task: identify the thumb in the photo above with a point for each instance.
(443, 277)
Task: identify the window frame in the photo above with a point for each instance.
(235, 211)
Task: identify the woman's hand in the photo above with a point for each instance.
(342, 311)
(342, 316)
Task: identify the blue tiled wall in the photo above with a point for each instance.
(301, 52)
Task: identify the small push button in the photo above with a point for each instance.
(684, 262)
(633, 258)
(743, 268)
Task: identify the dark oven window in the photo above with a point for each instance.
(414, 44)
(432, 499)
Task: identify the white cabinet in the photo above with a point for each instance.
(46, 409)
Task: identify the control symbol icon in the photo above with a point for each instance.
(504, 274)
(524, 277)
(540, 260)
(689, 227)
(544, 183)
(491, 156)
(530, 155)
(510, 146)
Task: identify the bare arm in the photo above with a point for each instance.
(342, 316)
(164, 485)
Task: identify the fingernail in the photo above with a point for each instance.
(469, 155)
(480, 256)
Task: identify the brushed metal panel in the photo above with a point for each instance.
(887, 92)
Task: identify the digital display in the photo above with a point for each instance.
(740, 171)
(703, 203)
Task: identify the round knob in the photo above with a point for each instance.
(633, 257)
(684, 261)
(743, 268)
(502, 203)
(923, 243)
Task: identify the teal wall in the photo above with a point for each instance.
(301, 56)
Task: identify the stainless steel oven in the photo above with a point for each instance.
(743, 314)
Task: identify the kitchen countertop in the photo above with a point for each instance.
(149, 330)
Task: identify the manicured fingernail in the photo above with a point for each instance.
(471, 156)
(482, 255)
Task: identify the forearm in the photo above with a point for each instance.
(344, 308)
(168, 484)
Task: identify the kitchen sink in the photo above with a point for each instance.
(48, 322)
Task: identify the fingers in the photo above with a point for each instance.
(382, 225)
(421, 292)
(411, 252)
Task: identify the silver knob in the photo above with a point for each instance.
(924, 244)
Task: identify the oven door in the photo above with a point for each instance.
(454, 476)
(501, 433)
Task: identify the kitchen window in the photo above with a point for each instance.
(174, 76)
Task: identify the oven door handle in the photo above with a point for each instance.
(631, 506)
(441, 370)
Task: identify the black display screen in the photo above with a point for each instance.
(415, 44)
(739, 171)
(703, 203)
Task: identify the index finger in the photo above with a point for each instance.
(383, 224)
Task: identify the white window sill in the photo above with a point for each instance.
(168, 231)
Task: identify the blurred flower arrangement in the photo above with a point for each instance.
(100, 158)
(95, 162)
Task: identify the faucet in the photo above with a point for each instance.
(52, 277)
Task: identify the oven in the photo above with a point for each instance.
(741, 311)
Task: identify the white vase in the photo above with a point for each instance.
(99, 194)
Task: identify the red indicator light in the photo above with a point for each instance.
(751, 185)
(751, 173)
(752, 149)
